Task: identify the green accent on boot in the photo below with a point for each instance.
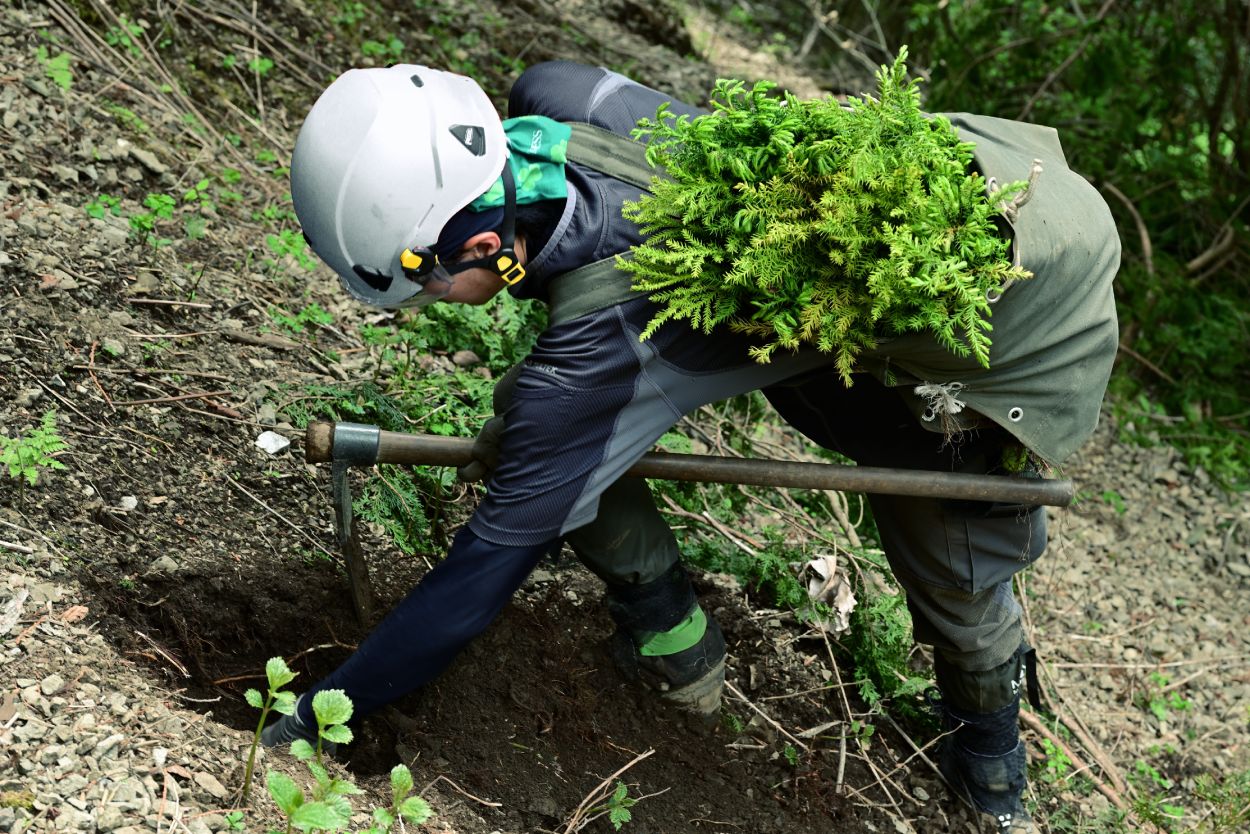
(677, 639)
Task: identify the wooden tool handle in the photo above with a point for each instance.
(367, 445)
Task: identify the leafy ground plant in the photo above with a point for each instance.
(326, 806)
(28, 454)
(56, 67)
(818, 223)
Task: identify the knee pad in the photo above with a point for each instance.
(990, 690)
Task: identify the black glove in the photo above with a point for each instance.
(485, 452)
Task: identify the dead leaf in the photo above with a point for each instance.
(12, 611)
(74, 613)
(827, 585)
(178, 770)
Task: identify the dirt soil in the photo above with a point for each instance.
(144, 584)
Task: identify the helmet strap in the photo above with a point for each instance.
(504, 261)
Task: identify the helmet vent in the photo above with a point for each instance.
(473, 137)
(416, 81)
(376, 279)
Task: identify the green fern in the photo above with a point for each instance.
(28, 454)
(817, 223)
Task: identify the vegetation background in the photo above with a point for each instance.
(1150, 97)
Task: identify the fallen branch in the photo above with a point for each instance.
(175, 398)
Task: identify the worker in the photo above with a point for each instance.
(412, 189)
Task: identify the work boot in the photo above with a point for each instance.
(692, 679)
(290, 728)
(992, 784)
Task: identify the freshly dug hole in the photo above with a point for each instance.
(532, 715)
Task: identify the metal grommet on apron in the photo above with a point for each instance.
(1016, 414)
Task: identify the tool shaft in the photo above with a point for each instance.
(432, 450)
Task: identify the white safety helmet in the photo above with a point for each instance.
(384, 159)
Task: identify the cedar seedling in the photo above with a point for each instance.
(818, 223)
(278, 675)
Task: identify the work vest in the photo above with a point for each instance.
(1054, 336)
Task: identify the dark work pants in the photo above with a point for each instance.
(954, 559)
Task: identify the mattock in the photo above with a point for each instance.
(344, 445)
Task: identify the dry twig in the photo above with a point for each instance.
(582, 815)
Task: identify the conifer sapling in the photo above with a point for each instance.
(820, 223)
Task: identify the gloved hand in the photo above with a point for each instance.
(485, 452)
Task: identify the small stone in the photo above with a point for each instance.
(148, 160)
(108, 746)
(465, 358)
(163, 564)
(209, 783)
(52, 684)
(110, 818)
(45, 592)
(214, 822)
(920, 793)
(27, 397)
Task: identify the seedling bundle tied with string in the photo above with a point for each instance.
(820, 223)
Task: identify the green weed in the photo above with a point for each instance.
(127, 118)
(56, 67)
(30, 453)
(392, 49)
(289, 243)
(127, 36)
(1156, 699)
(326, 807)
(1115, 500)
(1057, 766)
(143, 225)
(277, 675)
(260, 65)
(311, 316)
(349, 14)
(103, 204)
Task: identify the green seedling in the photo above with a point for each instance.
(349, 14)
(289, 242)
(392, 49)
(1115, 500)
(260, 65)
(56, 67)
(619, 805)
(1057, 765)
(127, 118)
(126, 36)
(28, 454)
(234, 820)
(327, 806)
(277, 675)
(160, 207)
(411, 809)
(312, 315)
(103, 204)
